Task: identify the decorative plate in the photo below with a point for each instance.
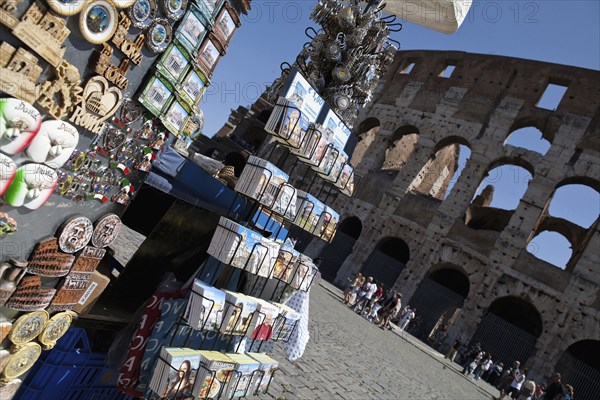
(55, 328)
(142, 13)
(28, 326)
(75, 234)
(106, 231)
(159, 35)
(174, 9)
(98, 21)
(21, 360)
(123, 3)
(66, 7)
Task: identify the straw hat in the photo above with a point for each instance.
(227, 174)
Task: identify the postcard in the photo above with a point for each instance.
(174, 118)
(156, 95)
(192, 29)
(174, 63)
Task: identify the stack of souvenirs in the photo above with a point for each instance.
(302, 122)
(202, 374)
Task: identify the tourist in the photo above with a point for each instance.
(453, 350)
(555, 389)
(406, 318)
(527, 390)
(518, 379)
(390, 309)
(471, 355)
(539, 392)
(362, 291)
(506, 379)
(570, 392)
(378, 305)
(356, 283)
(376, 296)
(494, 373)
(482, 365)
(366, 297)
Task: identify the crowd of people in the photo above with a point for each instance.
(368, 297)
(512, 382)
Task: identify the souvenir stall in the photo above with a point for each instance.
(90, 93)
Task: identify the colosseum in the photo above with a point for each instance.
(466, 265)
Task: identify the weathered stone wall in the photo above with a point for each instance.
(485, 99)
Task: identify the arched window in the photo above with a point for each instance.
(367, 132)
(577, 203)
(403, 142)
(509, 182)
(529, 138)
(336, 252)
(579, 366)
(551, 247)
(443, 168)
(387, 260)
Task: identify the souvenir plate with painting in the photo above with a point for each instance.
(98, 21)
(142, 13)
(159, 35)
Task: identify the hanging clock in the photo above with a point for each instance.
(98, 21)
(174, 9)
(142, 13)
(159, 35)
(66, 7)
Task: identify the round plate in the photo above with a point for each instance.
(21, 360)
(98, 21)
(66, 7)
(123, 3)
(28, 326)
(174, 9)
(75, 234)
(106, 230)
(159, 35)
(142, 13)
(55, 328)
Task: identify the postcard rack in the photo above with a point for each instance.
(256, 378)
(291, 135)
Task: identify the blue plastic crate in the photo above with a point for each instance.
(70, 371)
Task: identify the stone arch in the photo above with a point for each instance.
(387, 260)
(367, 132)
(583, 201)
(402, 144)
(509, 329)
(439, 172)
(530, 138)
(579, 366)
(335, 253)
(504, 183)
(438, 299)
(551, 246)
(546, 127)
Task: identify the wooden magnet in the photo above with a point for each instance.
(59, 96)
(112, 74)
(131, 48)
(19, 72)
(7, 8)
(30, 295)
(99, 102)
(43, 32)
(47, 260)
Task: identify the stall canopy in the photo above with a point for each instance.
(444, 16)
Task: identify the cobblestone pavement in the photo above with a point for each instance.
(349, 358)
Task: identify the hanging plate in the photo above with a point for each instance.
(98, 21)
(54, 329)
(28, 326)
(159, 35)
(21, 360)
(123, 3)
(66, 7)
(174, 9)
(142, 13)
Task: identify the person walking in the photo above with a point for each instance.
(356, 283)
(453, 350)
(482, 365)
(472, 354)
(364, 300)
(390, 309)
(527, 390)
(406, 318)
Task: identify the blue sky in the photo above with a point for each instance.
(558, 31)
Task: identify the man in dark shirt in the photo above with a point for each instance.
(555, 390)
